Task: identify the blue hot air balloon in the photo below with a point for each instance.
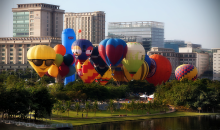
(68, 37)
(112, 51)
(99, 64)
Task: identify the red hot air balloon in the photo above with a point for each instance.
(163, 70)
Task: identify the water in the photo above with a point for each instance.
(177, 123)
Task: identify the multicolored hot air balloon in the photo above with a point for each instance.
(88, 72)
(112, 51)
(103, 80)
(99, 64)
(186, 71)
(118, 74)
(141, 74)
(163, 70)
(148, 60)
(134, 57)
(41, 58)
(82, 49)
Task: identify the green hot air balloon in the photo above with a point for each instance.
(134, 57)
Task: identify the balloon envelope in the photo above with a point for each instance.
(59, 59)
(112, 51)
(63, 70)
(82, 49)
(41, 57)
(99, 64)
(147, 59)
(103, 80)
(53, 71)
(60, 49)
(186, 71)
(134, 57)
(89, 72)
(163, 70)
(72, 71)
(140, 75)
(68, 59)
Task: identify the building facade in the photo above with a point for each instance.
(91, 24)
(216, 64)
(175, 59)
(151, 33)
(174, 44)
(37, 19)
(14, 50)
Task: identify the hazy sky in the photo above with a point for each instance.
(197, 21)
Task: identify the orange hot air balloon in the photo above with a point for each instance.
(103, 80)
(88, 72)
(163, 70)
(53, 71)
(79, 31)
(60, 49)
(118, 74)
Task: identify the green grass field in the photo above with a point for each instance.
(105, 116)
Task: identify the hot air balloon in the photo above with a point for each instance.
(141, 74)
(88, 72)
(134, 57)
(148, 60)
(60, 49)
(112, 51)
(103, 80)
(163, 70)
(82, 49)
(41, 57)
(186, 71)
(68, 37)
(99, 64)
(53, 71)
(79, 31)
(118, 75)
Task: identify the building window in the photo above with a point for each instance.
(31, 12)
(31, 33)
(56, 22)
(31, 16)
(11, 62)
(11, 49)
(3, 45)
(3, 58)
(31, 29)
(11, 45)
(20, 45)
(20, 54)
(31, 24)
(11, 54)
(31, 20)
(47, 25)
(28, 45)
(20, 49)
(19, 62)
(3, 54)
(19, 58)
(11, 58)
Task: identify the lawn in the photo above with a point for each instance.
(105, 116)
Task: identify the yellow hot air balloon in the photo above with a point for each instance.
(141, 74)
(134, 57)
(41, 57)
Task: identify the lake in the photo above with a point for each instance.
(177, 123)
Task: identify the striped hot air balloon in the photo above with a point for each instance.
(140, 74)
(186, 71)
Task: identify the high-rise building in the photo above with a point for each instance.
(174, 44)
(91, 24)
(216, 64)
(37, 19)
(151, 33)
(33, 24)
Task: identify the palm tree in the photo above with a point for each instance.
(77, 108)
(95, 106)
(142, 106)
(87, 107)
(132, 106)
(149, 106)
(68, 106)
(111, 106)
(125, 106)
(137, 106)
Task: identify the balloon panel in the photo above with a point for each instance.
(105, 78)
(63, 70)
(152, 69)
(59, 59)
(53, 71)
(68, 59)
(134, 57)
(148, 60)
(186, 71)
(72, 71)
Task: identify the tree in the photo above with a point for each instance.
(142, 106)
(95, 106)
(68, 106)
(111, 106)
(77, 107)
(126, 107)
(87, 107)
(132, 106)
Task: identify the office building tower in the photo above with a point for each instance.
(37, 19)
(91, 24)
(216, 64)
(174, 44)
(151, 33)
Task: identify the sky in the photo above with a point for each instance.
(196, 21)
